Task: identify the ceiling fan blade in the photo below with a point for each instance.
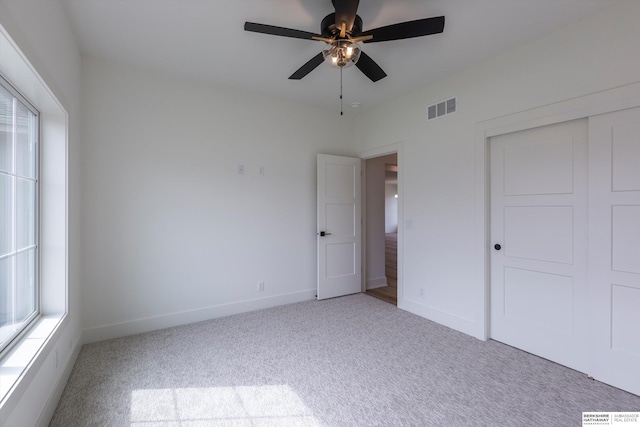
(308, 67)
(406, 30)
(369, 67)
(345, 12)
(278, 31)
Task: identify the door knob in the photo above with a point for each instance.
(324, 233)
(497, 247)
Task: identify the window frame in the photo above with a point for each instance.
(7, 344)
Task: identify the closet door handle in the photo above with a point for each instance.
(497, 246)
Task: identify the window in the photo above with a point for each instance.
(19, 303)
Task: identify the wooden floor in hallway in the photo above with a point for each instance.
(389, 293)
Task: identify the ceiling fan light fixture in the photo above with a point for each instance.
(341, 53)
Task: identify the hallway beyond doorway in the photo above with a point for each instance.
(389, 293)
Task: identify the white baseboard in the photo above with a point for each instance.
(380, 282)
(453, 321)
(149, 324)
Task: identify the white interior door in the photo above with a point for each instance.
(339, 226)
(614, 256)
(539, 220)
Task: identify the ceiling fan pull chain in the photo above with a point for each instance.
(341, 109)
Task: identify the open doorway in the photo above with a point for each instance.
(382, 227)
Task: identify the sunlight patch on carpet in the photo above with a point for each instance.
(273, 405)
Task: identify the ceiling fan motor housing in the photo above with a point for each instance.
(328, 27)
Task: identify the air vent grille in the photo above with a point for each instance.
(442, 108)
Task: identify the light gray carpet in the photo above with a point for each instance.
(351, 361)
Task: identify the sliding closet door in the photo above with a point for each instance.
(539, 241)
(614, 261)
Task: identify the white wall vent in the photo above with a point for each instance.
(442, 108)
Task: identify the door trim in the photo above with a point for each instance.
(397, 148)
(607, 101)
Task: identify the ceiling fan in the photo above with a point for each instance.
(342, 33)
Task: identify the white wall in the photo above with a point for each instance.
(439, 188)
(172, 232)
(41, 31)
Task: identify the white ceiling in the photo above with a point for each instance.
(204, 40)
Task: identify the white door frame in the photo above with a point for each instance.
(396, 148)
(608, 101)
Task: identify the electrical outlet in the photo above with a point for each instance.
(240, 169)
(260, 286)
(421, 293)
